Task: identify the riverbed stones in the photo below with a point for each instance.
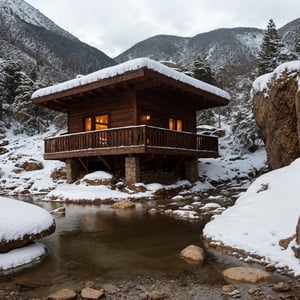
(231, 291)
(123, 204)
(64, 294)
(193, 253)
(91, 294)
(246, 274)
(281, 287)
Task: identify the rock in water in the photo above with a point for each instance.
(24, 223)
(246, 274)
(193, 252)
(123, 204)
(64, 294)
(91, 294)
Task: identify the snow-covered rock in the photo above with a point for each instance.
(22, 223)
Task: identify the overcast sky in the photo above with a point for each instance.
(113, 26)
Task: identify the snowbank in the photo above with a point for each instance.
(263, 215)
(128, 66)
(22, 256)
(82, 192)
(18, 218)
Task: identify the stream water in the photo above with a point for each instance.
(118, 246)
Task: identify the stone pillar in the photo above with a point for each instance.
(191, 170)
(72, 170)
(132, 169)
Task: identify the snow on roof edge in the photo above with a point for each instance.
(128, 66)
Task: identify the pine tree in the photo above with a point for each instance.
(9, 82)
(297, 49)
(268, 57)
(202, 71)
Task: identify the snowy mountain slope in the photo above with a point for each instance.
(19, 9)
(290, 34)
(38, 43)
(222, 47)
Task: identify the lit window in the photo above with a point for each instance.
(175, 124)
(172, 124)
(101, 122)
(88, 124)
(179, 125)
(96, 123)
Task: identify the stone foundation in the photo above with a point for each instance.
(191, 170)
(72, 170)
(132, 169)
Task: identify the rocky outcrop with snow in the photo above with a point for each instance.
(276, 107)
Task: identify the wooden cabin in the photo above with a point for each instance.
(136, 119)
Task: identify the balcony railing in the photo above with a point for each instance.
(129, 140)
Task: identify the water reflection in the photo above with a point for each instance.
(100, 242)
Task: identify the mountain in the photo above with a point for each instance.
(236, 46)
(290, 34)
(38, 43)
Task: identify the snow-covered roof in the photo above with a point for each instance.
(129, 66)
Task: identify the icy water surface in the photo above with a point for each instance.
(111, 246)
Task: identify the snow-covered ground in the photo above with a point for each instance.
(21, 149)
(265, 214)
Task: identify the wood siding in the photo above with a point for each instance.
(161, 110)
(119, 107)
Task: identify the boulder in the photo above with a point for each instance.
(193, 253)
(64, 294)
(281, 287)
(98, 178)
(246, 274)
(284, 243)
(91, 294)
(275, 107)
(30, 165)
(58, 212)
(58, 174)
(123, 204)
(24, 223)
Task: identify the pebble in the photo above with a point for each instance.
(281, 287)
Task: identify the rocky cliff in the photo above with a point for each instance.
(276, 108)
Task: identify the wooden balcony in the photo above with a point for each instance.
(130, 140)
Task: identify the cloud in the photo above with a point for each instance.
(114, 26)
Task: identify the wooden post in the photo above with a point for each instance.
(72, 170)
(132, 169)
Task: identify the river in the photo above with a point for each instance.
(126, 248)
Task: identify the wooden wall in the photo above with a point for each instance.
(161, 109)
(129, 108)
(120, 108)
